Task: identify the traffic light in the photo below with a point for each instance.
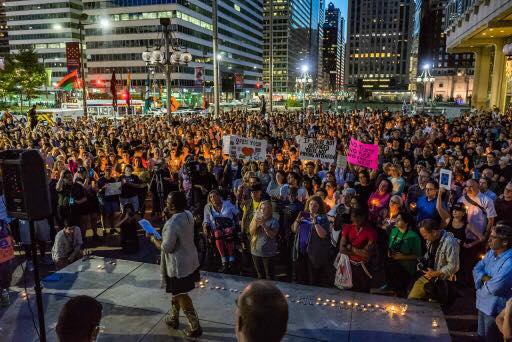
(258, 85)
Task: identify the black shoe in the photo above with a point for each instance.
(223, 268)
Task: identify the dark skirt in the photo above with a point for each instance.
(176, 286)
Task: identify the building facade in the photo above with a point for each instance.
(4, 41)
(483, 28)
(316, 33)
(291, 42)
(45, 26)
(334, 48)
(378, 48)
(134, 26)
(453, 73)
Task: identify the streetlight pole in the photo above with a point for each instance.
(46, 83)
(83, 17)
(167, 59)
(271, 57)
(166, 22)
(216, 83)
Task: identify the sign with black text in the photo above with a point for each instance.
(314, 149)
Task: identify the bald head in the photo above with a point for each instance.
(472, 187)
(262, 313)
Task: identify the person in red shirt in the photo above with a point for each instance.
(358, 242)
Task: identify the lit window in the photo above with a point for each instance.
(237, 8)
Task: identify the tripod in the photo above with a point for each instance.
(159, 187)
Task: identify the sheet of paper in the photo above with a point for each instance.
(148, 228)
(113, 189)
(445, 179)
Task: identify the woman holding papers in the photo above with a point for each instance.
(179, 262)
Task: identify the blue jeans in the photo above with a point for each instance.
(487, 328)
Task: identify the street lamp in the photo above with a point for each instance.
(81, 23)
(305, 76)
(173, 54)
(425, 78)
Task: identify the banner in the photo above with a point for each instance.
(239, 81)
(366, 155)
(244, 148)
(199, 76)
(48, 72)
(73, 56)
(314, 149)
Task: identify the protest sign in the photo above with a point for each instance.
(341, 162)
(314, 149)
(244, 148)
(113, 189)
(366, 155)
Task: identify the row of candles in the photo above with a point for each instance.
(391, 309)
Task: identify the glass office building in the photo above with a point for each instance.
(291, 42)
(121, 30)
(379, 43)
(45, 26)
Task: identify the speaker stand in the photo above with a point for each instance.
(37, 284)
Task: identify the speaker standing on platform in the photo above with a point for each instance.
(179, 262)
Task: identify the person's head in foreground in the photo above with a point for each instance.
(79, 320)
(261, 313)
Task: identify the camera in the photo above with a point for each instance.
(422, 264)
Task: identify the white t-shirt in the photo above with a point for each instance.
(302, 194)
(477, 218)
(228, 210)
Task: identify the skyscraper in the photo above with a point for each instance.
(334, 48)
(46, 27)
(379, 34)
(4, 42)
(453, 73)
(317, 18)
(291, 43)
(135, 26)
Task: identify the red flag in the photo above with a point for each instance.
(113, 89)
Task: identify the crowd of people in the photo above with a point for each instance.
(398, 229)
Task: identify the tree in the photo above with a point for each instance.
(22, 75)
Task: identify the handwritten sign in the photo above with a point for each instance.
(366, 155)
(314, 149)
(341, 162)
(113, 189)
(244, 148)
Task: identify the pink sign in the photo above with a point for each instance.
(366, 155)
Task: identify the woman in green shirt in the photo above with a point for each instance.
(404, 249)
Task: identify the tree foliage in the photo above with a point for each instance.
(22, 73)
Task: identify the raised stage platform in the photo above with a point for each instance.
(134, 306)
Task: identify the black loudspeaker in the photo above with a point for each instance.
(25, 184)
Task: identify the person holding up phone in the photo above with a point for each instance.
(312, 221)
